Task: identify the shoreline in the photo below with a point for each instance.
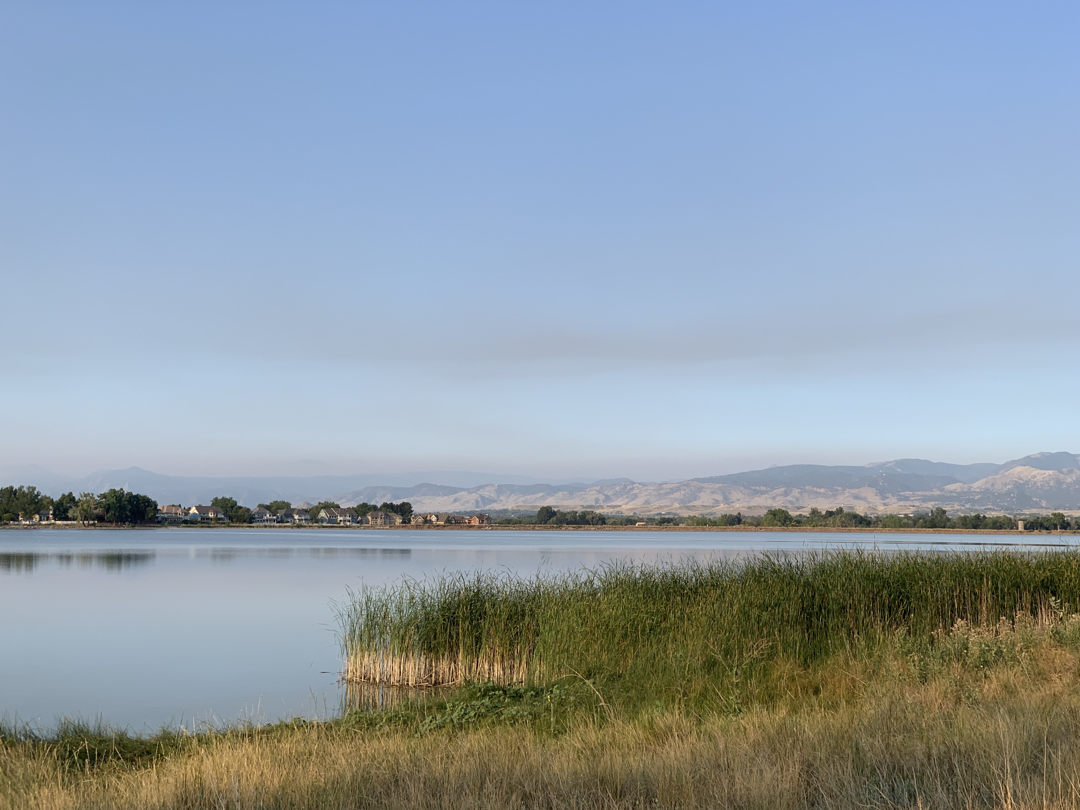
(536, 528)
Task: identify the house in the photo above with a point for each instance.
(480, 519)
(456, 520)
(381, 518)
(205, 514)
(263, 517)
(439, 518)
(294, 516)
(171, 513)
(44, 517)
(419, 520)
(337, 516)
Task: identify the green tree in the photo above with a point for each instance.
(275, 507)
(120, 506)
(937, 519)
(87, 509)
(234, 512)
(545, 514)
(64, 507)
(28, 502)
(141, 508)
(1058, 522)
(404, 509)
(114, 506)
(8, 510)
(777, 517)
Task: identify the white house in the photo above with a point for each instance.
(263, 517)
(205, 514)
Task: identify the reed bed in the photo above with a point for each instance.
(686, 625)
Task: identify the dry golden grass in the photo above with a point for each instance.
(885, 684)
(857, 732)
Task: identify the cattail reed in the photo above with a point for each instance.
(662, 623)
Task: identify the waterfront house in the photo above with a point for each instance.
(295, 516)
(337, 516)
(263, 517)
(381, 518)
(480, 519)
(205, 514)
(171, 513)
(419, 520)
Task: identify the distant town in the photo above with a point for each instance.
(281, 513)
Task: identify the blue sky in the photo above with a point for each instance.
(563, 240)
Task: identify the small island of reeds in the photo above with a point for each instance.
(840, 680)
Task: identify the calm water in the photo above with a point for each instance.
(142, 629)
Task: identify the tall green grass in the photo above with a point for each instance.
(689, 626)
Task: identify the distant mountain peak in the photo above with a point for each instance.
(1041, 481)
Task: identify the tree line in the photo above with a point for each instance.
(235, 513)
(936, 518)
(549, 516)
(112, 506)
(122, 507)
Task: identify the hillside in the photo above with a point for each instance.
(1041, 482)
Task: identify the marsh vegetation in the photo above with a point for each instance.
(838, 680)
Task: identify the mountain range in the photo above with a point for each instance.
(1039, 482)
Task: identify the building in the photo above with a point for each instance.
(381, 518)
(205, 514)
(294, 516)
(419, 520)
(263, 517)
(171, 513)
(337, 516)
(480, 519)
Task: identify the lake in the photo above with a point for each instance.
(166, 627)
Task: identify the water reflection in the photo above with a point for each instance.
(261, 611)
(17, 563)
(26, 562)
(369, 697)
(227, 555)
(363, 553)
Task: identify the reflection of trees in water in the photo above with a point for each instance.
(363, 553)
(372, 696)
(119, 560)
(227, 555)
(25, 562)
(18, 563)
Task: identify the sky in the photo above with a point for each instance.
(567, 240)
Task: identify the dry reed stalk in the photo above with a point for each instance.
(419, 670)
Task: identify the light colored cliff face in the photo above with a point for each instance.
(698, 499)
(1028, 479)
(1015, 489)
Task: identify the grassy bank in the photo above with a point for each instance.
(681, 629)
(844, 681)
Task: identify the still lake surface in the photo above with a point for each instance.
(143, 629)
